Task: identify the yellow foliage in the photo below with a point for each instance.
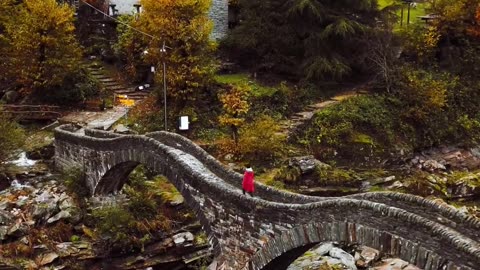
(261, 140)
(42, 48)
(235, 105)
(184, 27)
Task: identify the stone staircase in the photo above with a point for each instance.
(113, 85)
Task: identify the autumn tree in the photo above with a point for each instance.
(235, 107)
(183, 26)
(42, 50)
(7, 11)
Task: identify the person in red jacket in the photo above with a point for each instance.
(248, 181)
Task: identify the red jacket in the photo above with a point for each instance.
(248, 179)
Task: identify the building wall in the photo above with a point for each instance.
(219, 16)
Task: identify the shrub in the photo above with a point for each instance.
(11, 138)
(288, 174)
(75, 182)
(141, 205)
(261, 140)
(358, 127)
(115, 224)
(76, 87)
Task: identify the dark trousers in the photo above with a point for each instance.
(249, 193)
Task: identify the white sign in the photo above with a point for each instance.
(183, 123)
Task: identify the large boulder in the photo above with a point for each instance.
(42, 153)
(346, 259)
(306, 164)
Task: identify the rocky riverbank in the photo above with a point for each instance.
(44, 226)
(330, 256)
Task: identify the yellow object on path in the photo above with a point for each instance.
(125, 101)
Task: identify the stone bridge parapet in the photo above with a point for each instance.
(251, 233)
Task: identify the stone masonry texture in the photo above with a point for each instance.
(249, 232)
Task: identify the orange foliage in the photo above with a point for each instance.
(475, 29)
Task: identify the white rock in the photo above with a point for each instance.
(60, 215)
(324, 249)
(344, 257)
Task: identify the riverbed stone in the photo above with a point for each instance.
(43, 211)
(366, 257)
(61, 215)
(392, 264)
(47, 258)
(346, 259)
(323, 248)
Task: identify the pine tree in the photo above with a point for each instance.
(309, 38)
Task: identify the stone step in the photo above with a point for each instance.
(115, 87)
(126, 91)
(107, 80)
(118, 87)
(110, 83)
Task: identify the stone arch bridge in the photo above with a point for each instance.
(270, 230)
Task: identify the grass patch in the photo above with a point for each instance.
(257, 88)
(415, 12)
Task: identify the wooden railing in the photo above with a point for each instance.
(31, 112)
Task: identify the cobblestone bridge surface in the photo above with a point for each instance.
(270, 229)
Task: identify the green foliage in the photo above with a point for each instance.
(163, 189)
(115, 224)
(261, 140)
(140, 205)
(303, 38)
(11, 138)
(75, 238)
(137, 178)
(129, 47)
(76, 87)
(358, 126)
(426, 108)
(74, 180)
(288, 174)
(335, 176)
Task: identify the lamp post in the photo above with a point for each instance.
(163, 50)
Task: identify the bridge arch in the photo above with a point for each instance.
(251, 232)
(271, 257)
